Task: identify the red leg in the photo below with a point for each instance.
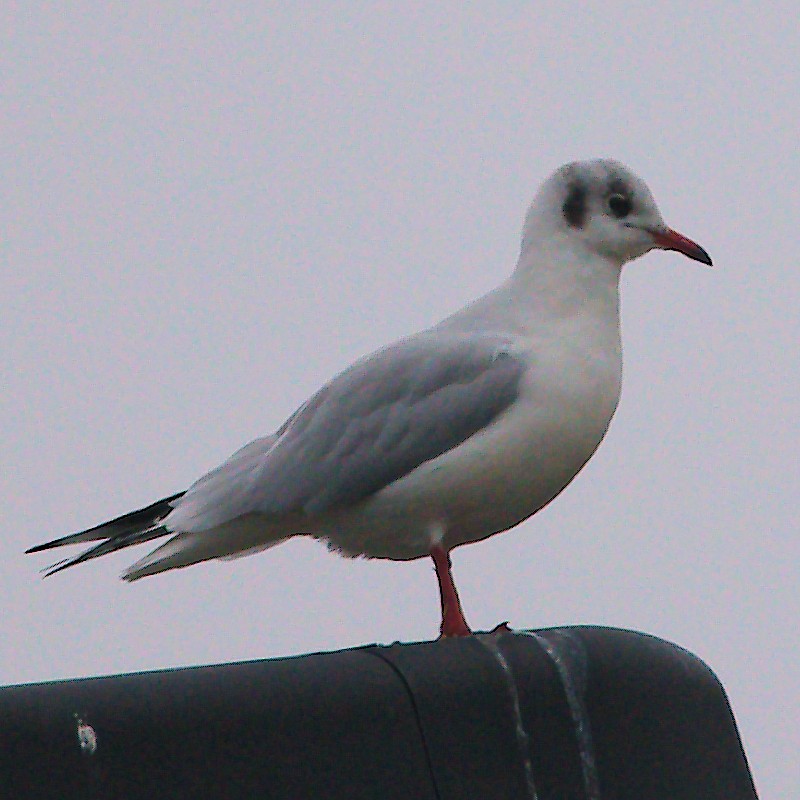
(453, 622)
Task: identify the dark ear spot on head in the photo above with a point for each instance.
(574, 207)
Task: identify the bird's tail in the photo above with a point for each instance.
(129, 529)
(241, 537)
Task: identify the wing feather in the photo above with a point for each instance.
(371, 425)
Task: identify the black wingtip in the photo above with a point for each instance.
(127, 523)
(57, 567)
(71, 539)
(39, 547)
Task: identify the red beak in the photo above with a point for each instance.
(672, 240)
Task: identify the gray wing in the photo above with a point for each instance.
(372, 424)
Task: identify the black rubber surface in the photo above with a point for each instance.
(562, 713)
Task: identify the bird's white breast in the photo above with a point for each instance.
(512, 468)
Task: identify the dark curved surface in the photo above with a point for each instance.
(569, 713)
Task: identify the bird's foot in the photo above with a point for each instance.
(454, 625)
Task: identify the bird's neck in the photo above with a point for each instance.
(561, 280)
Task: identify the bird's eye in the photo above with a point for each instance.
(620, 205)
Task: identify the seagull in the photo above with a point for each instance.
(448, 436)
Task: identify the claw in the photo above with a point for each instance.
(502, 627)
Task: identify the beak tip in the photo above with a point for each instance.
(672, 240)
(704, 258)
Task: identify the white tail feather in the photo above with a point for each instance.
(241, 537)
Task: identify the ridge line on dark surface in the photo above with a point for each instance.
(575, 702)
(378, 653)
(491, 643)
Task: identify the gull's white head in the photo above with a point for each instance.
(606, 209)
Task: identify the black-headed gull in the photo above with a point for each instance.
(450, 435)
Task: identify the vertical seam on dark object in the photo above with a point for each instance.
(490, 642)
(577, 708)
(397, 671)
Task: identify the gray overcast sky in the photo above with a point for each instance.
(209, 210)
